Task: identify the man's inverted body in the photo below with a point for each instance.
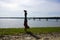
(27, 27)
(25, 21)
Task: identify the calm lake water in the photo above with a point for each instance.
(18, 23)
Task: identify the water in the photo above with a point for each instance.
(18, 23)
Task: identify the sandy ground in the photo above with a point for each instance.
(47, 36)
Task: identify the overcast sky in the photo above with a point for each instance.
(35, 8)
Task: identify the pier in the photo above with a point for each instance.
(31, 18)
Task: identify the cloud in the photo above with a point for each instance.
(9, 6)
(58, 1)
(43, 8)
(34, 7)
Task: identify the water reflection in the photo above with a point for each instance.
(17, 23)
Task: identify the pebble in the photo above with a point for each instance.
(29, 37)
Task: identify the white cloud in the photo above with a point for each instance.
(9, 6)
(42, 7)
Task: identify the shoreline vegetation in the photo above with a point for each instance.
(35, 30)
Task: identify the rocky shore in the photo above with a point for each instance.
(43, 36)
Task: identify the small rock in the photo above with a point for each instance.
(27, 38)
(46, 39)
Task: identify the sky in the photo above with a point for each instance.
(35, 8)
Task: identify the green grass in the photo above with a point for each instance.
(45, 29)
(11, 31)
